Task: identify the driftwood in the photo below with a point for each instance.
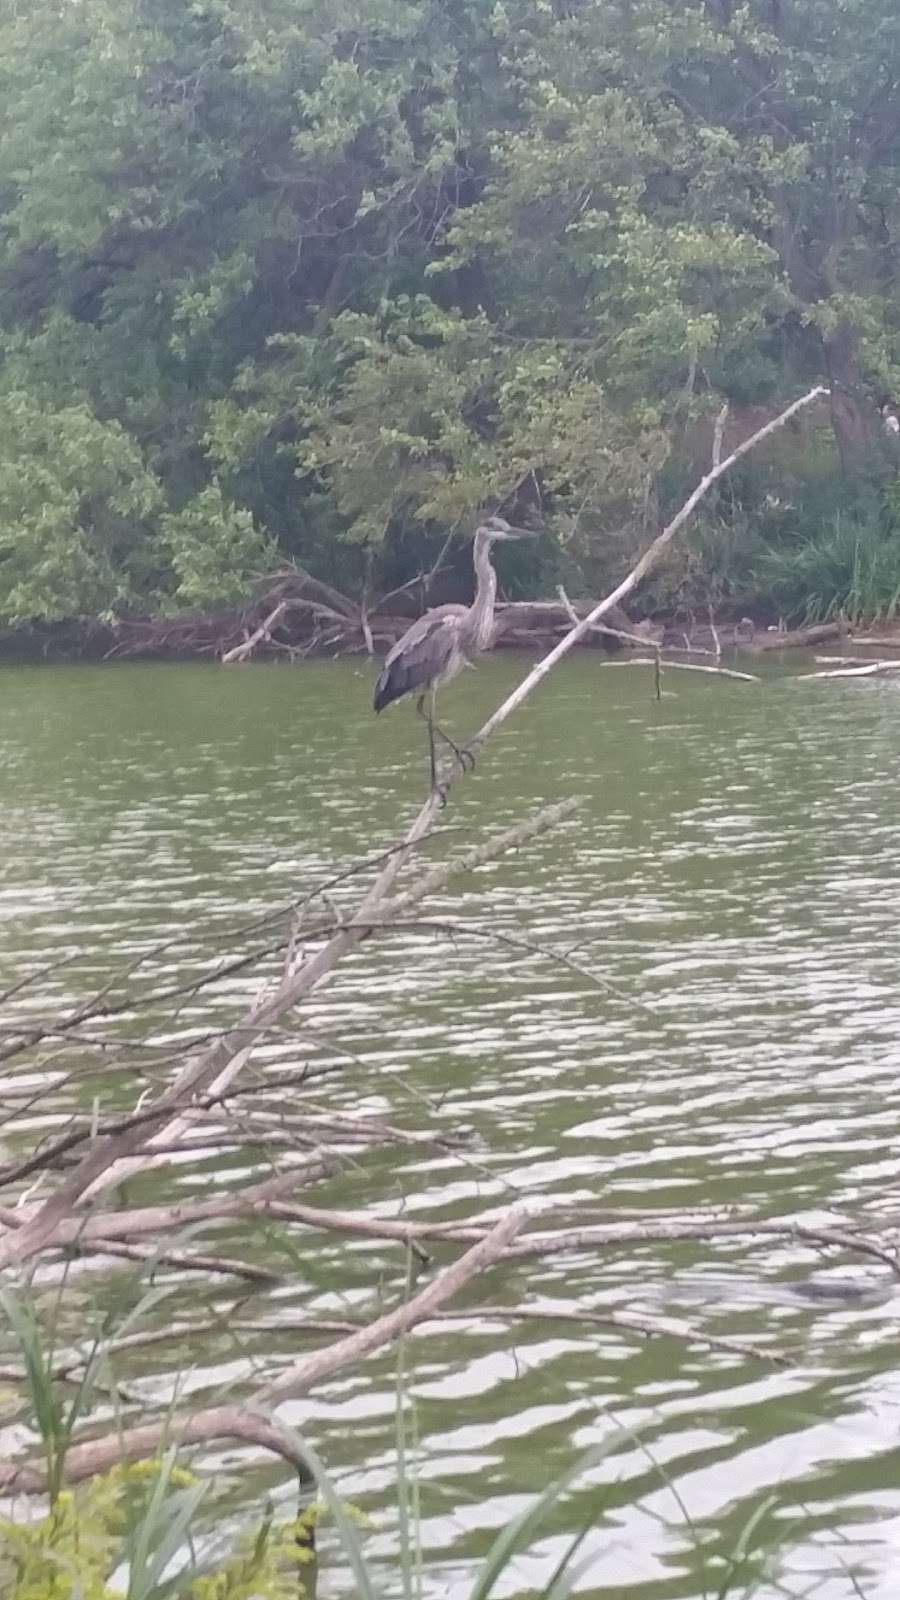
(858, 669)
(656, 661)
(846, 661)
(294, 616)
(686, 666)
(260, 635)
(273, 627)
(297, 625)
(801, 638)
(545, 618)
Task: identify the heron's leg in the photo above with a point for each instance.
(429, 718)
(461, 753)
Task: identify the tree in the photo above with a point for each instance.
(358, 270)
(805, 91)
(75, 498)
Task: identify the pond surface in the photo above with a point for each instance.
(731, 876)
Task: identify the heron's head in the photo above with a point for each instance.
(498, 528)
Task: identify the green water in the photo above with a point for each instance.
(731, 876)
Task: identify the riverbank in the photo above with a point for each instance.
(299, 616)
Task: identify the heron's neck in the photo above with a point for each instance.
(485, 593)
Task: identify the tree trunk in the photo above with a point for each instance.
(848, 419)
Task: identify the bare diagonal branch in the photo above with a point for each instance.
(243, 1422)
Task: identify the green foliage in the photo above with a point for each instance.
(275, 279)
(46, 1402)
(215, 548)
(805, 550)
(74, 498)
(848, 567)
(143, 1515)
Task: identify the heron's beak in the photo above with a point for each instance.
(521, 533)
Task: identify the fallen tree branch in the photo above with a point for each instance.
(871, 669)
(111, 1157)
(294, 577)
(155, 1255)
(368, 1130)
(800, 638)
(648, 1325)
(243, 1423)
(83, 1461)
(850, 661)
(604, 1235)
(622, 634)
(221, 1061)
(687, 666)
(242, 652)
(324, 1363)
(140, 1221)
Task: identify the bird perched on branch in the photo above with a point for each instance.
(447, 638)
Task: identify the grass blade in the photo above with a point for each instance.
(514, 1538)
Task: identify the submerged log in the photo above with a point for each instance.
(801, 638)
(869, 669)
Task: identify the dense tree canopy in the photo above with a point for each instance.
(292, 277)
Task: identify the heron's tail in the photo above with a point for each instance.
(385, 691)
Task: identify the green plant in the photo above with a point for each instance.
(849, 567)
(141, 1518)
(804, 545)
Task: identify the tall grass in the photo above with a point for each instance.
(849, 567)
(806, 549)
(56, 1417)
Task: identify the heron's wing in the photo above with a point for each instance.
(421, 655)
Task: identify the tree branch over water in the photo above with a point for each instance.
(241, 1422)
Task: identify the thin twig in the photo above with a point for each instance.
(153, 1255)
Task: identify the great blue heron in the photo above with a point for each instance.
(446, 639)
